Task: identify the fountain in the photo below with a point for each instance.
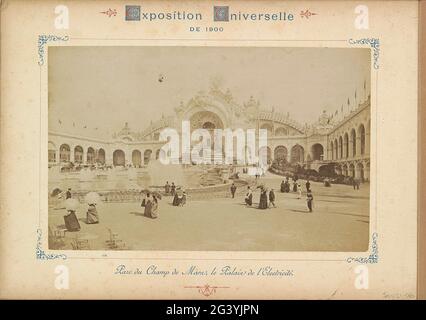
(124, 183)
(159, 173)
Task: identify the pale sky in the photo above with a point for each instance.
(101, 88)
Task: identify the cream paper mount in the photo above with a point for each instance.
(100, 96)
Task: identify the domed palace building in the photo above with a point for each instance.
(339, 140)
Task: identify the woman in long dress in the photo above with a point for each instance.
(148, 206)
(176, 200)
(294, 185)
(263, 201)
(249, 197)
(182, 200)
(299, 190)
(282, 186)
(92, 214)
(71, 221)
(154, 210)
(309, 200)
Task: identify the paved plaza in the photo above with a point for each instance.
(340, 222)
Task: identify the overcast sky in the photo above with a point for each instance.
(101, 88)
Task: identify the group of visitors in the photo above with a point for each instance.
(269, 195)
(71, 220)
(179, 200)
(263, 199)
(150, 204)
(170, 189)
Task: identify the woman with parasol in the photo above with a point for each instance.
(176, 200)
(154, 210)
(182, 199)
(70, 219)
(92, 199)
(150, 202)
(147, 204)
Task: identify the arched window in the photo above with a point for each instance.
(78, 154)
(64, 153)
(336, 149)
(136, 158)
(280, 153)
(317, 151)
(118, 158)
(147, 156)
(51, 152)
(101, 156)
(361, 133)
(90, 155)
(352, 171)
(360, 171)
(353, 141)
(297, 154)
(346, 145)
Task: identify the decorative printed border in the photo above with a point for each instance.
(110, 12)
(307, 13)
(374, 43)
(41, 255)
(43, 40)
(206, 290)
(373, 257)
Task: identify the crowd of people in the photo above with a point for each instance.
(150, 202)
(267, 197)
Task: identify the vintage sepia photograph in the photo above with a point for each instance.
(173, 148)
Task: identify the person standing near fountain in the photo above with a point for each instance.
(233, 189)
(68, 194)
(167, 187)
(173, 189)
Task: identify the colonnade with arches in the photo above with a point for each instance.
(359, 169)
(91, 155)
(351, 144)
